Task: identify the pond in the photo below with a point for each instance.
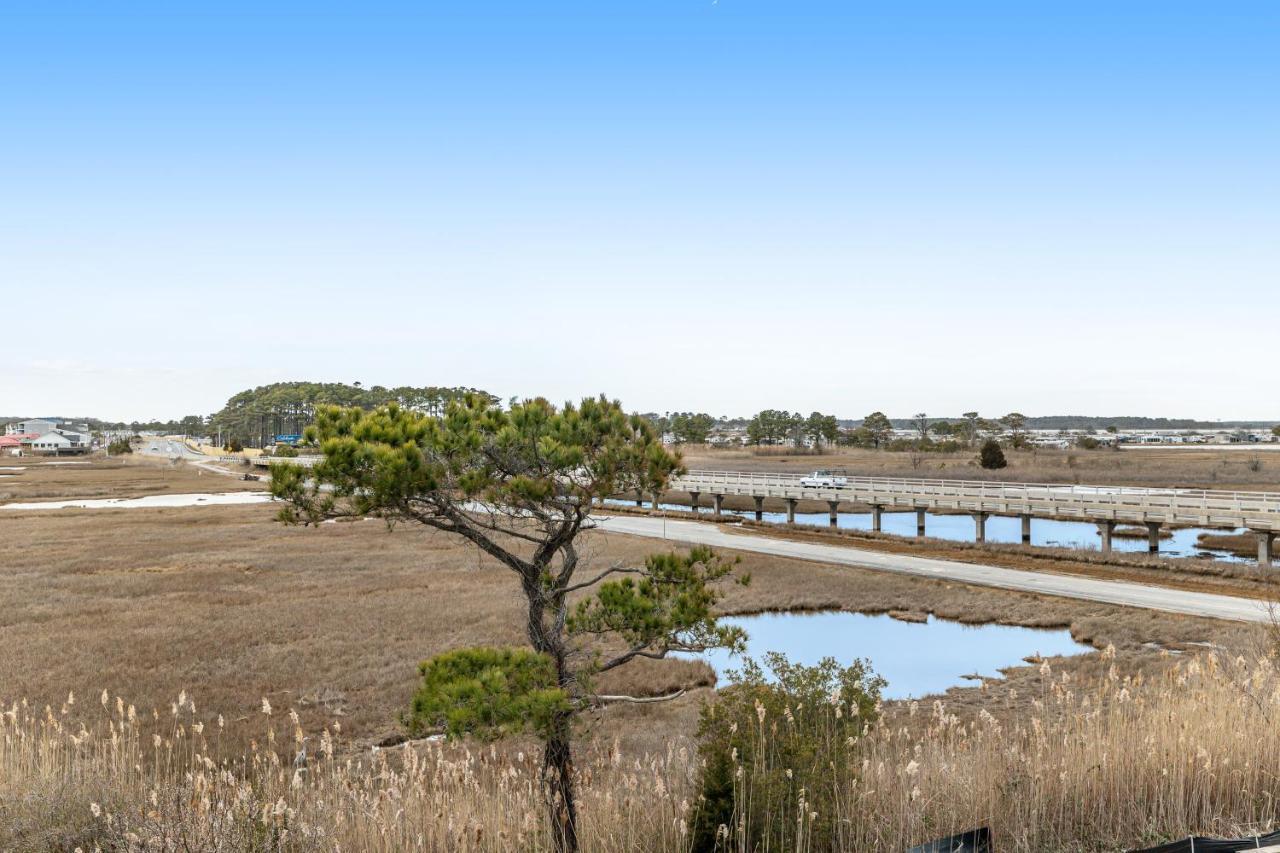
(916, 659)
(959, 528)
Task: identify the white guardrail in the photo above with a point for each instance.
(304, 461)
(1259, 510)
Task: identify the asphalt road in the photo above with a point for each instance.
(1066, 586)
(168, 448)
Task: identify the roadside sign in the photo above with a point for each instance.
(288, 439)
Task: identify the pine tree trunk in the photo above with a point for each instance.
(557, 772)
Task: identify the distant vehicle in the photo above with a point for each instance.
(824, 480)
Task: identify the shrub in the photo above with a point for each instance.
(486, 692)
(285, 451)
(779, 755)
(234, 446)
(119, 447)
(991, 456)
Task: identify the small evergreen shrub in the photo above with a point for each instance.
(991, 456)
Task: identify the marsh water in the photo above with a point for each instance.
(916, 659)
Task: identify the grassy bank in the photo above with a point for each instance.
(1099, 766)
(114, 477)
(224, 605)
(1206, 468)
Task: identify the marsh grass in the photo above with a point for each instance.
(1123, 762)
(111, 779)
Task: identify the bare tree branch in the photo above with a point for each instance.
(638, 700)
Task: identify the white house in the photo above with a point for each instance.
(57, 443)
(38, 426)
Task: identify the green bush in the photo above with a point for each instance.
(486, 692)
(119, 447)
(991, 456)
(234, 446)
(778, 754)
(285, 451)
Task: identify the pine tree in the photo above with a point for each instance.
(991, 456)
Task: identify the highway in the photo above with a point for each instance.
(170, 448)
(1122, 593)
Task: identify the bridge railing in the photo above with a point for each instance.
(1102, 496)
(303, 460)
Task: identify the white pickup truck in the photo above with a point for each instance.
(824, 480)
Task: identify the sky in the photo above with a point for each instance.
(711, 205)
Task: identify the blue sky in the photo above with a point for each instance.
(721, 206)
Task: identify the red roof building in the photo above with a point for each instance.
(11, 445)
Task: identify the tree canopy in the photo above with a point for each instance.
(519, 484)
(878, 427)
(690, 427)
(255, 416)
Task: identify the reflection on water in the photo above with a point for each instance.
(960, 528)
(916, 659)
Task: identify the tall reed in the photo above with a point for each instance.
(1128, 761)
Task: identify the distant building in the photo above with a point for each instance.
(37, 426)
(54, 443)
(11, 445)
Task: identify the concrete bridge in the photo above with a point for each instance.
(1106, 506)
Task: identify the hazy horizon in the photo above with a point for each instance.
(718, 206)
(843, 416)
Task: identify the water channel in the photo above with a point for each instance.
(916, 659)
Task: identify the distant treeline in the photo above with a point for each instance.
(255, 416)
(1126, 422)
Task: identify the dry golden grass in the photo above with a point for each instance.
(1099, 764)
(115, 477)
(1106, 765)
(333, 620)
(98, 775)
(228, 606)
(1196, 468)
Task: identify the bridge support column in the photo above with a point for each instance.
(835, 513)
(920, 522)
(719, 504)
(1026, 530)
(1105, 530)
(877, 513)
(791, 510)
(980, 526)
(1153, 537)
(693, 501)
(759, 508)
(1266, 548)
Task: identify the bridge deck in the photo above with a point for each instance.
(1199, 507)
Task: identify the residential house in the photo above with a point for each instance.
(54, 443)
(36, 426)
